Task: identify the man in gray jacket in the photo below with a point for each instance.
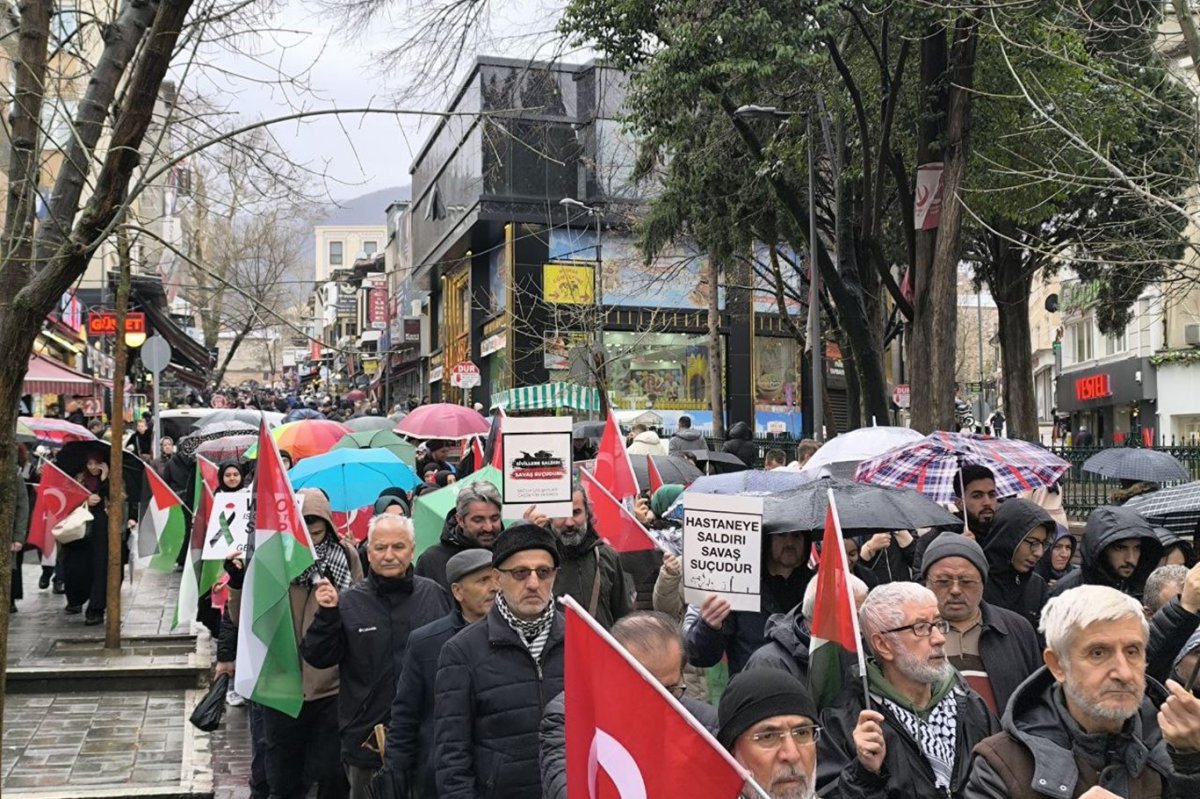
(685, 438)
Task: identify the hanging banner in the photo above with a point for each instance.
(537, 465)
(722, 549)
(927, 198)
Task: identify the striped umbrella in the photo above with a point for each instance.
(548, 396)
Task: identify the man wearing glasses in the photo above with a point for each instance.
(1021, 532)
(769, 725)
(993, 648)
(495, 677)
(916, 735)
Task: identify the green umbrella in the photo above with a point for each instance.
(430, 510)
(380, 439)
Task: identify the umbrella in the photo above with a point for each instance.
(752, 482)
(25, 434)
(353, 477)
(297, 414)
(247, 416)
(380, 439)
(1177, 508)
(1135, 463)
(355, 395)
(361, 423)
(217, 430)
(73, 457)
(589, 430)
(229, 448)
(444, 420)
(56, 431)
(430, 509)
(306, 438)
(845, 451)
(929, 465)
(671, 468)
(861, 508)
(715, 462)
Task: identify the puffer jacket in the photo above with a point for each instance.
(906, 772)
(786, 648)
(646, 443)
(365, 636)
(1023, 594)
(432, 563)
(684, 439)
(490, 695)
(1042, 752)
(581, 564)
(1107, 525)
(739, 443)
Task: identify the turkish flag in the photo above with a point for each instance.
(57, 495)
(660, 751)
(614, 523)
(656, 481)
(353, 522)
(613, 469)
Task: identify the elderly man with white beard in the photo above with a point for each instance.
(1087, 723)
(915, 737)
(768, 723)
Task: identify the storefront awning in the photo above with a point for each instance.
(548, 396)
(46, 376)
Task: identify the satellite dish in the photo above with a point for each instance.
(1052, 303)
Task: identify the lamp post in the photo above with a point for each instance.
(598, 362)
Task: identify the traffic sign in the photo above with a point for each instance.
(156, 354)
(902, 395)
(465, 375)
(218, 401)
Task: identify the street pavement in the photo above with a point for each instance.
(82, 722)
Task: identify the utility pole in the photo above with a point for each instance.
(814, 300)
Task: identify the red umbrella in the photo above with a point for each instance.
(305, 438)
(355, 395)
(443, 420)
(57, 431)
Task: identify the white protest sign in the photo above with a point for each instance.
(537, 465)
(228, 524)
(722, 549)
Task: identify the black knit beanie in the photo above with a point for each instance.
(521, 537)
(752, 696)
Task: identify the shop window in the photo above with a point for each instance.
(667, 371)
(1079, 334)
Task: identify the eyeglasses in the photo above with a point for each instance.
(923, 629)
(521, 573)
(677, 690)
(1035, 544)
(966, 583)
(804, 735)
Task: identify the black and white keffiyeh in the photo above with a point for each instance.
(330, 561)
(936, 736)
(533, 632)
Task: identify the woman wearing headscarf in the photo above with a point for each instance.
(85, 562)
(1056, 562)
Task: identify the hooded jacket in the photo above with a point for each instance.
(739, 443)
(647, 442)
(1044, 567)
(1172, 630)
(582, 565)
(1042, 752)
(432, 563)
(1107, 525)
(1023, 594)
(686, 438)
(787, 645)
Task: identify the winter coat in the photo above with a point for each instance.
(906, 772)
(739, 443)
(786, 648)
(409, 749)
(20, 526)
(577, 579)
(1042, 752)
(1023, 594)
(1045, 569)
(647, 442)
(432, 563)
(642, 568)
(365, 636)
(1170, 630)
(896, 564)
(1107, 525)
(490, 694)
(684, 439)
(553, 741)
(1009, 649)
(668, 599)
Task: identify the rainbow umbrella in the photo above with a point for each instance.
(306, 438)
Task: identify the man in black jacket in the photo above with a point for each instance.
(474, 523)
(993, 648)
(740, 442)
(496, 676)
(409, 755)
(364, 632)
(1021, 532)
(1173, 625)
(1120, 549)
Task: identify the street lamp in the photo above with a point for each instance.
(814, 281)
(597, 290)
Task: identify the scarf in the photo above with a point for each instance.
(533, 632)
(329, 562)
(936, 736)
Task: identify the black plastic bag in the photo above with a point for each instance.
(211, 709)
(386, 784)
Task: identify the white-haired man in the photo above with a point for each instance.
(364, 631)
(915, 738)
(1085, 725)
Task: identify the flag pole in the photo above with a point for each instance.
(592, 481)
(845, 564)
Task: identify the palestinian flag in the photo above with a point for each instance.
(196, 571)
(268, 657)
(161, 530)
(835, 634)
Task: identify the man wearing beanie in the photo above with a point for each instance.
(768, 723)
(993, 648)
(495, 677)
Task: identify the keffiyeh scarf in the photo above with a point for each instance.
(533, 632)
(330, 561)
(937, 736)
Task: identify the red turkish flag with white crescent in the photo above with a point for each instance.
(660, 751)
(57, 495)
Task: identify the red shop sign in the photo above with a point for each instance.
(1093, 387)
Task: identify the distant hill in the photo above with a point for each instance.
(366, 209)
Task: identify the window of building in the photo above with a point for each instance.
(1079, 334)
(1115, 343)
(64, 26)
(335, 253)
(370, 247)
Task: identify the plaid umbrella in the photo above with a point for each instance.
(929, 465)
(1135, 463)
(1176, 508)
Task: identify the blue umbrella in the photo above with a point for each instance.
(353, 477)
(751, 481)
(296, 414)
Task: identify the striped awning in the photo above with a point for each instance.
(46, 376)
(548, 396)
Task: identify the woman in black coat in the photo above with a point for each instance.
(85, 562)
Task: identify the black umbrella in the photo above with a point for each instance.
(188, 444)
(244, 415)
(73, 458)
(1177, 508)
(714, 462)
(861, 508)
(1135, 463)
(671, 468)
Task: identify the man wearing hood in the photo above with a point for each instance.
(1120, 550)
(474, 523)
(591, 571)
(685, 438)
(739, 442)
(915, 737)
(1021, 531)
(1089, 717)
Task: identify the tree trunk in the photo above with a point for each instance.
(116, 480)
(716, 372)
(234, 345)
(1010, 285)
(1187, 26)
